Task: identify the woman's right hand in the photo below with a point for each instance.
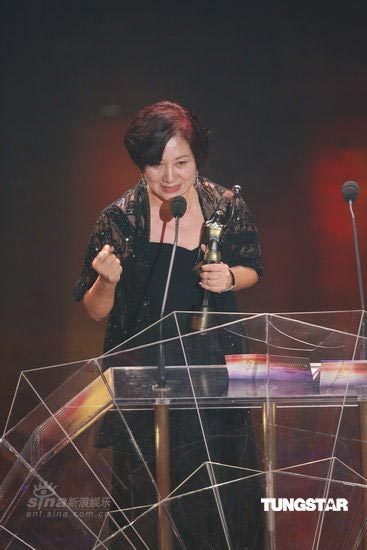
(107, 265)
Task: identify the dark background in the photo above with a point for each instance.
(284, 92)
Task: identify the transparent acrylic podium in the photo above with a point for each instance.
(257, 406)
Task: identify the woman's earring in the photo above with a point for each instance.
(143, 179)
(196, 178)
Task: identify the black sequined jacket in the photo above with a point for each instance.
(125, 224)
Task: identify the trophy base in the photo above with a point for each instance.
(201, 320)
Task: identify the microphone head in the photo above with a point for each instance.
(178, 206)
(350, 190)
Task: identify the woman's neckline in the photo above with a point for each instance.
(178, 246)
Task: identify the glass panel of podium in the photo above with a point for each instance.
(231, 431)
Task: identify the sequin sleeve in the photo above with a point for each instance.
(111, 228)
(241, 244)
(95, 243)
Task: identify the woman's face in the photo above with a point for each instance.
(175, 174)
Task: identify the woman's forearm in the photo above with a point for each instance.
(244, 277)
(99, 299)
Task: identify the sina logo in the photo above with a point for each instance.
(43, 495)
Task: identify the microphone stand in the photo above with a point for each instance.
(350, 191)
(358, 259)
(161, 421)
(363, 327)
(161, 365)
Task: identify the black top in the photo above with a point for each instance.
(184, 293)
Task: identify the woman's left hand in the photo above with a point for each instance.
(215, 277)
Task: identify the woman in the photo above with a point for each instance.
(128, 252)
(124, 276)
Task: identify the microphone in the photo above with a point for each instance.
(178, 209)
(178, 206)
(350, 191)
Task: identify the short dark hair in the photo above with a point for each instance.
(154, 125)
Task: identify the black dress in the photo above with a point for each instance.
(184, 293)
(220, 435)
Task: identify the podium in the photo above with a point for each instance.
(258, 440)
